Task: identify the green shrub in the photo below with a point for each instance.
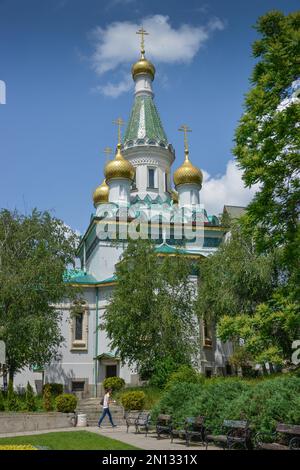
(2, 405)
(66, 403)
(162, 370)
(30, 398)
(55, 388)
(269, 402)
(12, 398)
(133, 400)
(47, 398)
(262, 402)
(175, 401)
(185, 374)
(115, 383)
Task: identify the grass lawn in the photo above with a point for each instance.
(76, 440)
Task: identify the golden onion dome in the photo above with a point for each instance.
(119, 167)
(188, 173)
(174, 196)
(143, 66)
(100, 195)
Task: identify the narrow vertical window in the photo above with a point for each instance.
(166, 182)
(151, 175)
(78, 327)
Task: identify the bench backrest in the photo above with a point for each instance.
(288, 429)
(194, 423)
(131, 415)
(143, 417)
(166, 419)
(229, 423)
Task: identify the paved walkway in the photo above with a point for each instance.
(119, 433)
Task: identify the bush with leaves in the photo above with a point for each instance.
(47, 398)
(12, 398)
(161, 371)
(133, 400)
(185, 374)
(115, 383)
(268, 402)
(66, 403)
(263, 402)
(30, 398)
(55, 388)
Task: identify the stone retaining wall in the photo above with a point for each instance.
(18, 422)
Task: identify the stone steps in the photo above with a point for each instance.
(92, 409)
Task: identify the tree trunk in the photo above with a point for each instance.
(11, 373)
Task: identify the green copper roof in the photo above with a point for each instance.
(78, 276)
(166, 249)
(144, 123)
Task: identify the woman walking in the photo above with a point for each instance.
(106, 411)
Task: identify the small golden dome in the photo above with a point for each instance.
(100, 195)
(143, 66)
(119, 167)
(174, 196)
(188, 173)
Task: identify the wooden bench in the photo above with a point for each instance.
(238, 435)
(192, 427)
(163, 425)
(288, 432)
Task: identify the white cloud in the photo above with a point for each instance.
(118, 44)
(113, 90)
(225, 189)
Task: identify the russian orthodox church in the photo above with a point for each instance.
(137, 182)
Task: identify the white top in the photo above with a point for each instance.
(106, 400)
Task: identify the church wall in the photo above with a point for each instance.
(101, 263)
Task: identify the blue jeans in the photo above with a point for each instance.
(104, 413)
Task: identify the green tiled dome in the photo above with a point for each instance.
(144, 123)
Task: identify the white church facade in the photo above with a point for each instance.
(137, 183)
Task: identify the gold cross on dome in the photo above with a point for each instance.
(142, 32)
(107, 151)
(185, 129)
(119, 122)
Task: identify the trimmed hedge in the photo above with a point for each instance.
(262, 402)
(133, 400)
(66, 403)
(115, 383)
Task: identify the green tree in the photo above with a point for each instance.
(235, 279)
(34, 253)
(268, 139)
(12, 398)
(150, 316)
(30, 398)
(47, 398)
(268, 334)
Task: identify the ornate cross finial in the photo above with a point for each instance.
(142, 32)
(185, 129)
(107, 151)
(119, 122)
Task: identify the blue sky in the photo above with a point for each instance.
(66, 65)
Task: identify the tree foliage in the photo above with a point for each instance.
(34, 253)
(150, 316)
(268, 138)
(235, 279)
(268, 334)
